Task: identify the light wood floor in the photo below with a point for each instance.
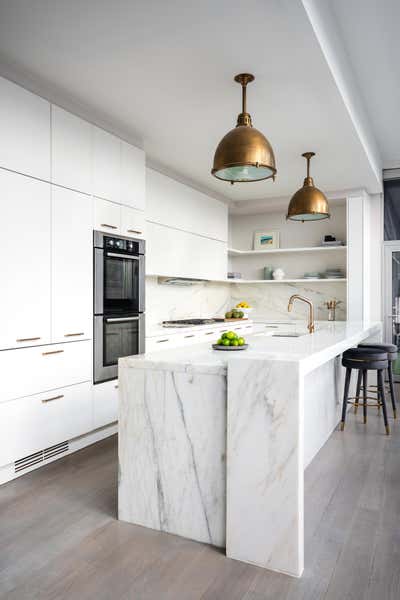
(59, 537)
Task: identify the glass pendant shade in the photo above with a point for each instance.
(308, 203)
(244, 153)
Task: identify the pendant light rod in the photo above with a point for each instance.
(308, 156)
(244, 79)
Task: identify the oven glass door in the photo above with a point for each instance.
(120, 338)
(121, 283)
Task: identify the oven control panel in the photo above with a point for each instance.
(122, 245)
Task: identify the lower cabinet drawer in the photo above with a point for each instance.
(105, 403)
(34, 423)
(28, 371)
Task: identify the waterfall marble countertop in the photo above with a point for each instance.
(329, 340)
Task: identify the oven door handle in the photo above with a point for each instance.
(121, 319)
(128, 256)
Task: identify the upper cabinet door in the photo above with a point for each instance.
(107, 216)
(72, 265)
(174, 204)
(106, 165)
(132, 176)
(25, 131)
(24, 261)
(133, 222)
(71, 151)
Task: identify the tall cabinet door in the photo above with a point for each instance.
(25, 131)
(24, 261)
(72, 268)
(106, 165)
(71, 157)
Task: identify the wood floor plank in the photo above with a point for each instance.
(60, 540)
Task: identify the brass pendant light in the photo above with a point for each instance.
(308, 203)
(244, 154)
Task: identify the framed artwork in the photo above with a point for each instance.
(266, 240)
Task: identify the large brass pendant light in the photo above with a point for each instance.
(244, 154)
(308, 203)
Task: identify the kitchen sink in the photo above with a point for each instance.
(290, 334)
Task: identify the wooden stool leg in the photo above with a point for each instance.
(358, 389)
(392, 389)
(345, 396)
(365, 392)
(381, 389)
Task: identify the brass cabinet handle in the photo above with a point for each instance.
(134, 231)
(73, 334)
(52, 352)
(109, 226)
(116, 387)
(53, 398)
(27, 339)
(159, 341)
(209, 333)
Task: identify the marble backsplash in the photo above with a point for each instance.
(271, 300)
(170, 302)
(208, 299)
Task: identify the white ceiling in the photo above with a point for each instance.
(370, 30)
(161, 73)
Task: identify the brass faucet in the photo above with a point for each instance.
(310, 326)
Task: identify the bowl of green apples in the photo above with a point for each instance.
(230, 341)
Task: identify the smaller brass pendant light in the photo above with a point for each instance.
(308, 203)
(244, 153)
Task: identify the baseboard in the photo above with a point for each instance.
(8, 472)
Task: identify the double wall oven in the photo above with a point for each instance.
(119, 302)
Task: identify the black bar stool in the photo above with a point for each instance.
(364, 360)
(392, 352)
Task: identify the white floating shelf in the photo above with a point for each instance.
(309, 281)
(233, 252)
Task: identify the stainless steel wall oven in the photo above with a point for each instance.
(119, 302)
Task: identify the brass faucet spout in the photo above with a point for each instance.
(311, 324)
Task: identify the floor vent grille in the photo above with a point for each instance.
(39, 457)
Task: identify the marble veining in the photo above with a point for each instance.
(172, 452)
(264, 465)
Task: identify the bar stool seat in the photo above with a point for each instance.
(365, 359)
(392, 352)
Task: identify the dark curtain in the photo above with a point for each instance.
(391, 190)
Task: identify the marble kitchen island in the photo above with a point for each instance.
(213, 445)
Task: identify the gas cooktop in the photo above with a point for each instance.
(190, 322)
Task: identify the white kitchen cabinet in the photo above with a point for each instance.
(33, 423)
(174, 253)
(106, 165)
(107, 216)
(132, 192)
(72, 265)
(24, 261)
(174, 204)
(34, 370)
(133, 222)
(105, 403)
(71, 151)
(25, 131)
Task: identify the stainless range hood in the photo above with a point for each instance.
(182, 281)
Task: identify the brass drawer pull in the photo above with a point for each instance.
(109, 226)
(209, 333)
(53, 398)
(160, 341)
(52, 352)
(134, 231)
(189, 336)
(116, 387)
(28, 339)
(74, 334)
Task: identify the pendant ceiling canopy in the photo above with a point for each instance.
(308, 203)
(244, 153)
